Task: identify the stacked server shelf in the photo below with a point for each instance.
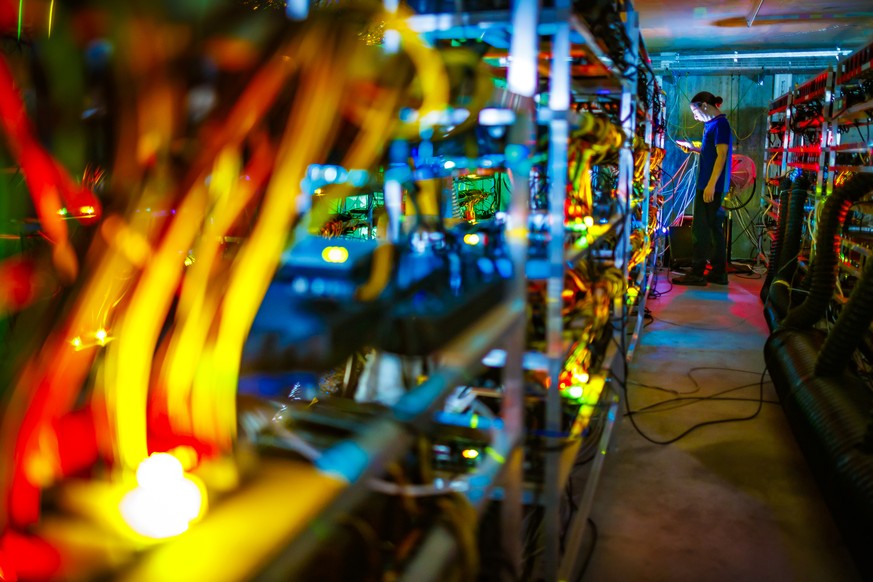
(408, 269)
(818, 277)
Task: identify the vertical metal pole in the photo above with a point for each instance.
(647, 182)
(787, 138)
(393, 188)
(559, 104)
(570, 561)
(524, 48)
(522, 80)
(832, 137)
(626, 156)
(512, 413)
(823, 136)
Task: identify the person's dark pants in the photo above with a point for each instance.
(707, 235)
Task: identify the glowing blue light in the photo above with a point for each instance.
(493, 116)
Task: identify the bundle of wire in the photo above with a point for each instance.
(147, 343)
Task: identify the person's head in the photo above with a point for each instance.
(705, 106)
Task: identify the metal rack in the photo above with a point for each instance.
(841, 111)
(582, 70)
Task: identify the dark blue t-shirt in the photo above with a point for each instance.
(715, 131)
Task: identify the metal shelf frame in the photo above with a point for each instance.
(828, 139)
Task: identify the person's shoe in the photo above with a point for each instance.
(718, 279)
(690, 279)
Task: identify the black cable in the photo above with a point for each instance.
(648, 317)
(747, 229)
(690, 374)
(697, 399)
(658, 388)
(654, 293)
(630, 415)
(749, 199)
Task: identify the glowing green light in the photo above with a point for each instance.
(575, 392)
(20, 15)
(495, 455)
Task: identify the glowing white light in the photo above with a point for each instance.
(335, 254)
(522, 75)
(166, 500)
(494, 116)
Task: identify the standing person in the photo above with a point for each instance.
(713, 179)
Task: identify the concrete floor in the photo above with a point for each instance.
(732, 501)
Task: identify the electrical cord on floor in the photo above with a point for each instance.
(688, 400)
(648, 317)
(752, 275)
(690, 374)
(630, 414)
(658, 388)
(654, 293)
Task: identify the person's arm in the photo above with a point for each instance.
(721, 153)
(687, 147)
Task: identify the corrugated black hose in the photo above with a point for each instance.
(823, 273)
(776, 246)
(780, 289)
(848, 331)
